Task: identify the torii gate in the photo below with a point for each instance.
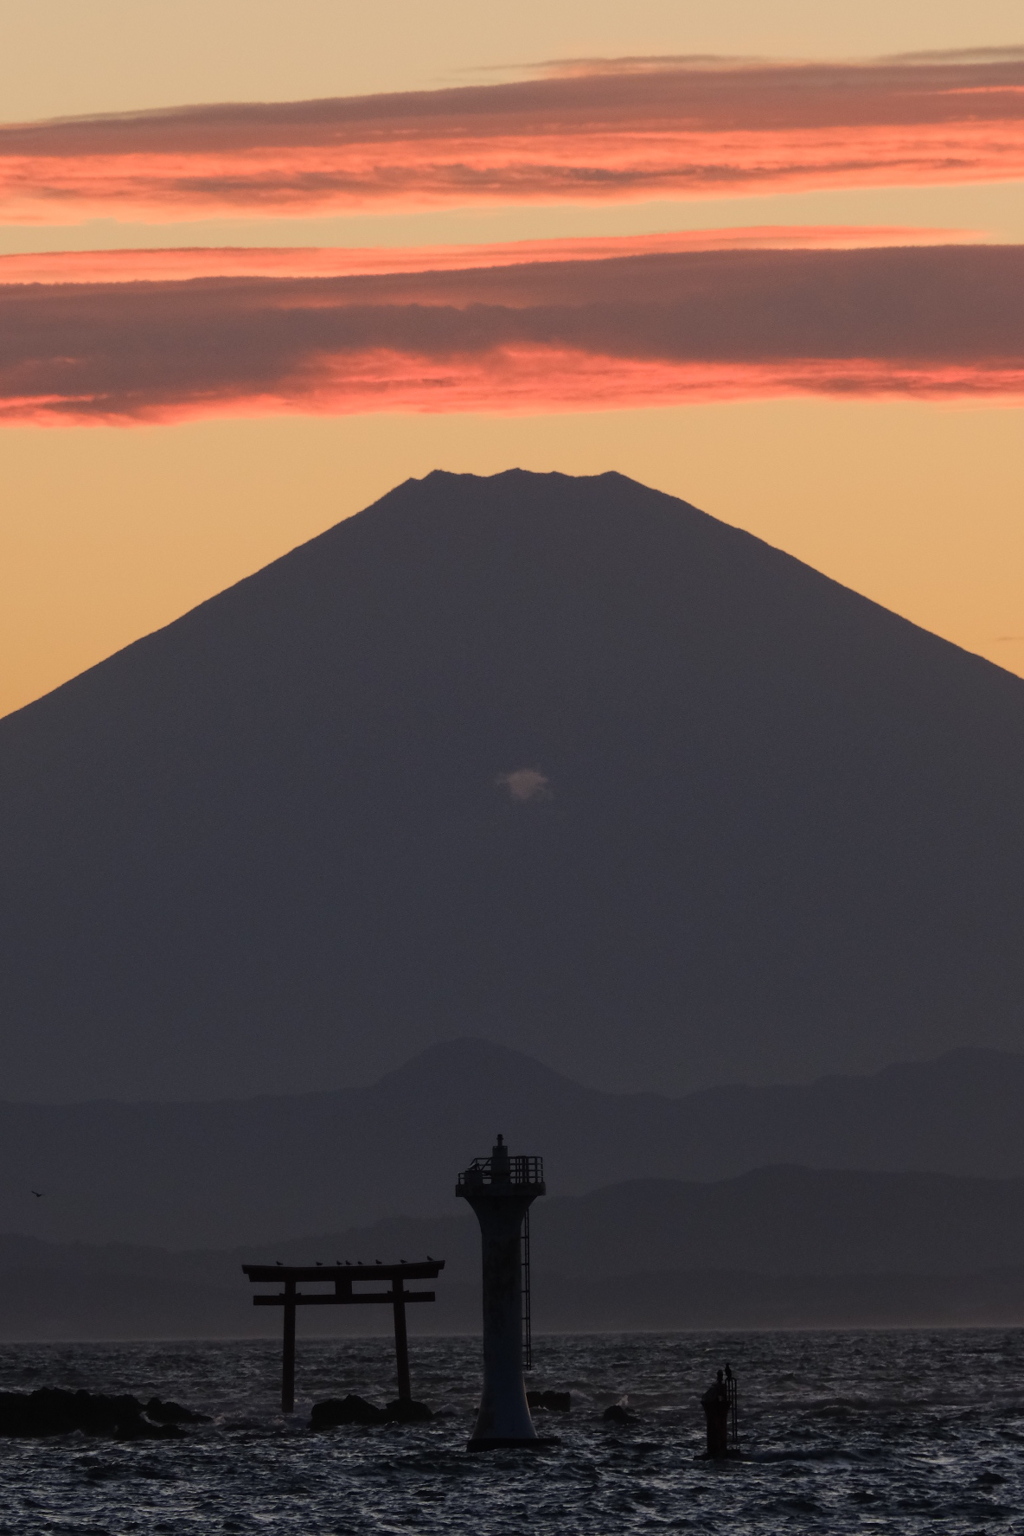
(342, 1277)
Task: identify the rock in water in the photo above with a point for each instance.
(345, 1410)
(54, 1411)
(172, 1413)
(356, 1410)
(407, 1412)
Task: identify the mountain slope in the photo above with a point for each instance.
(776, 1247)
(756, 827)
(235, 1171)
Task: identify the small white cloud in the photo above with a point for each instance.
(525, 784)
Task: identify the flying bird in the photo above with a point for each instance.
(38, 1193)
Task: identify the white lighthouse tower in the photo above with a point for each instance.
(501, 1190)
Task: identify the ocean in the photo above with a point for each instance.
(904, 1431)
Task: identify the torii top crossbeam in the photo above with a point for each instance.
(428, 1269)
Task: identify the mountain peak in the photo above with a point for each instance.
(562, 762)
(471, 1060)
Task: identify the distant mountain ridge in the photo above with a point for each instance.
(189, 1175)
(773, 1248)
(561, 762)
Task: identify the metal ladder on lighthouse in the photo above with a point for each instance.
(527, 1316)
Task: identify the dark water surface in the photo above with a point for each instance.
(900, 1432)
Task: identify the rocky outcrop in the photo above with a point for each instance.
(172, 1413)
(55, 1411)
(356, 1410)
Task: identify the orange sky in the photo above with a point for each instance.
(648, 267)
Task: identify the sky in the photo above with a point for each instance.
(261, 262)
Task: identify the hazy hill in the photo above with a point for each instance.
(772, 1221)
(565, 763)
(780, 1246)
(236, 1171)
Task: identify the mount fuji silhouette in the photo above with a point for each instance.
(562, 763)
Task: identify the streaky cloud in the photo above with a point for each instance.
(658, 329)
(155, 265)
(644, 63)
(597, 131)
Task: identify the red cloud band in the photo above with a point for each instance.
(669, 128)
(311, 261)
(638, 330)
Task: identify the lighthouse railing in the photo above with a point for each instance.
(515, 1170)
